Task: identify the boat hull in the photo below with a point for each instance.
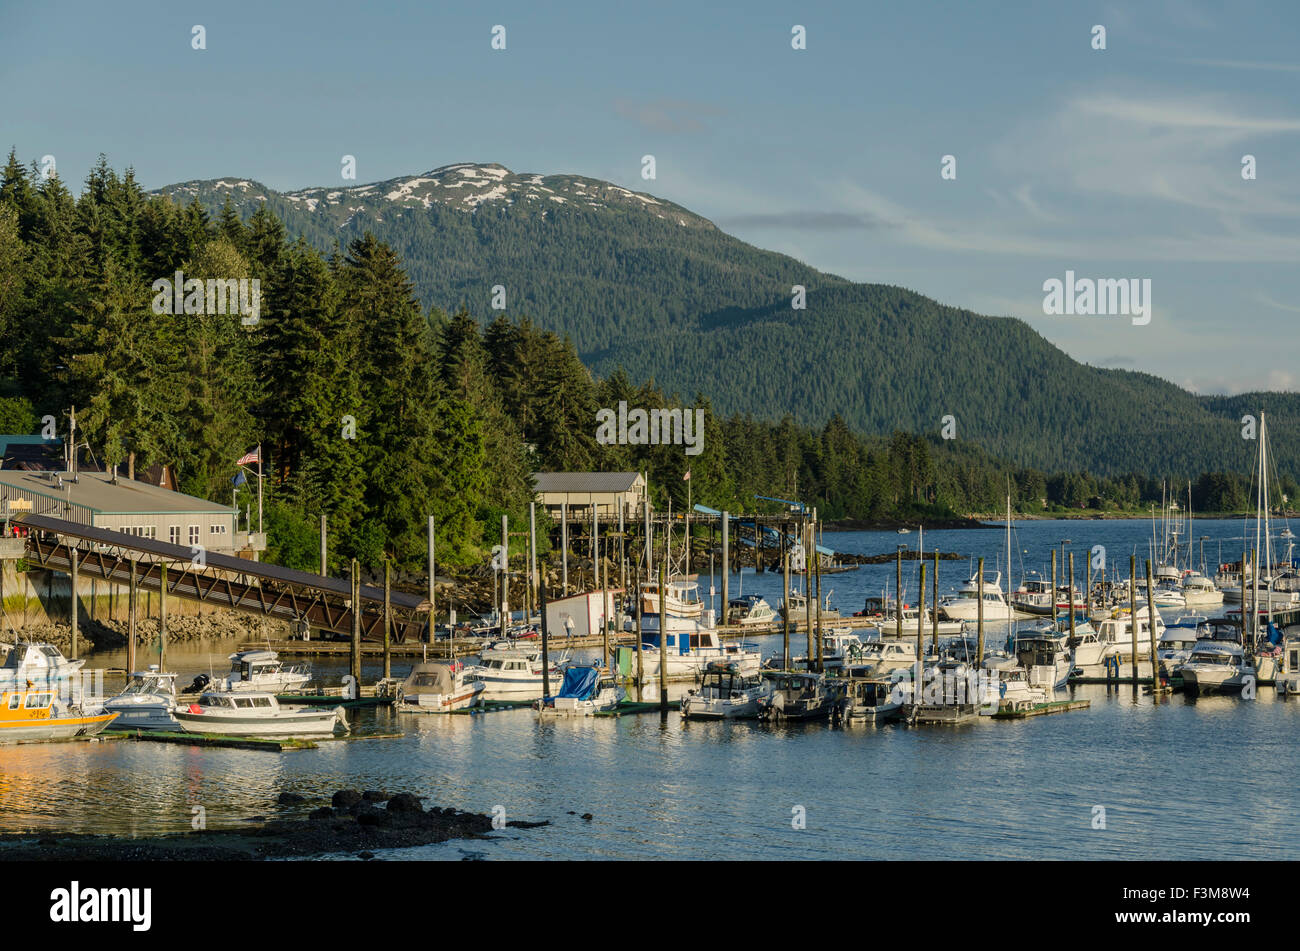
(295, 723)
(53, 728)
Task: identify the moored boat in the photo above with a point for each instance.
(147, 703)
(438, 687)
(869, 701)
(37, 664)
(263, 670)
(796, 696)
(31, 714)
(256, 713)
(586, 690)
(726, 693)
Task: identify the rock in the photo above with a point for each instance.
(587, 816)
(365, 856)
(374, 795)
(370, 816)
(290, 799)
(521, 824)
(345, 799)
(324, 812)
(404, 802)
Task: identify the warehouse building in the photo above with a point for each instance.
(608, 492)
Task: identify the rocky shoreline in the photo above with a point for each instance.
(182, 628)
(354, 822)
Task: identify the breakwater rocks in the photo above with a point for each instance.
(353, 822)
(185, 628)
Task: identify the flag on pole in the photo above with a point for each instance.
(238, 479)
(687, 477)
(249, 458)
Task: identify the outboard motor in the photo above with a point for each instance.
(200, 682)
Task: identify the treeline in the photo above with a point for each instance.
(377, 411)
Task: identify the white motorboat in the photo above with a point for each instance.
(964, 606)
(797, 609)
(147, 703)
(514, 673)
(1216, 665)
(586, 690)
(681, 598)
(257, 713)
(1017, 690)
(726, 693)
(36, 664)
(1035, 596)
(438, 687)
(1175, 646)
(839, 649)
(796, 696)
(1113, 637)
(264, 671)
(751, 610)
(887, 625)
(1286, 679)
(880, 658)
(1200, 592)
(691, 647)
(1045, 658)
(870, 701)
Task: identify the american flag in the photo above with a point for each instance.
(249, 458)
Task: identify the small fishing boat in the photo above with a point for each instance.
(263, 670)
(29, 714)
(1113, 637)
(436, 687)
(879, 658)
(36, 664)
(838, 649)
(1045, 658)
(681, 598)
(1200, 592)
(796, 609)
(513, 673)
(586, 690)
(796, 696)
(1287, 678)
(870, 701)
(691, 647)
(1017, 690)
(1175, 646)
(726, 693)
(257, 713)
(147, 702)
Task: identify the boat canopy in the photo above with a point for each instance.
(579, 683)
(430, 678)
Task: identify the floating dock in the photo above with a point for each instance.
(1043, 709)
(211, 740)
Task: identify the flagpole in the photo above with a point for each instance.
(259, 488)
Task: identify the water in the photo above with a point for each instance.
(1210, 778)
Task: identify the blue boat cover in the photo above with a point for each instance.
(579, 683)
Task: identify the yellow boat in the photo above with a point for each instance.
(37, 713)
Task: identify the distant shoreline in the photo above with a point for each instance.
(998, 520)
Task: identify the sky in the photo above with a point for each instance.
(1122, 162)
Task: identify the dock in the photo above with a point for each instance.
(1043, 709)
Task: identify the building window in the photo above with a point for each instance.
(217, 529)
(174, 534)
(194, 534)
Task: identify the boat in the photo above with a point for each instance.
(1035, 596)
(838, 649)
(438, 687)
(1216, 665)
(885, 623)
(796, 696)
(1113, 637)
(37, 664)
(513, 673)
(964, 606)
(1200, 592)
(32, 714)
(1175, 646)
(726, 693)
(750, 610)
(797, 609)
(869, 701)
(1018, 690)
(586, 690)
(682, 599)
(691, 647)
(262, 670)
(1286, 679)
(1045, 658)
(147, 702)
(257, 713)
(880, 658)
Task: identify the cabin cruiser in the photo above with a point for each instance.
(691, 647)
(513, 673)
(796, 696)
(880, 658)
(257, 713)
(435, 687)
(1035, 596)
(1287, 678)
(1200, 592)
(1175, 646)
(682, 598)
(869, 701)
(726, 693)
(147, 702)
(586, 690)
(839, 649)
(964, 606)
(264, 671)
(36, 664)
(797, 609)
(1045, 659)
(1113, 637)
(1216, 665)
(31, 713)
(749, 611)
(1018, 689)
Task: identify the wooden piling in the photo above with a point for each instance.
(640, 637)
(785, 613)
(546, 644)
(1151, 631)
(162, 618)
(323, 562)
(898, 595)
(388, 617)
(920, 625)
(979, 615)
(1132, 612)
(354, 665)
(131, 599)
(433, 612)
(726, 568)
(663, 640)
(934, 602)
(808, 592)
(72, 550)
(1070, 598)
(817, 563)
(564, 548)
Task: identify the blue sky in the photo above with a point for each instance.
(1123, 162)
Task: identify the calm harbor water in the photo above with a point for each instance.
(1211, 778)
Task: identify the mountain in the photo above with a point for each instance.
(641, 283)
